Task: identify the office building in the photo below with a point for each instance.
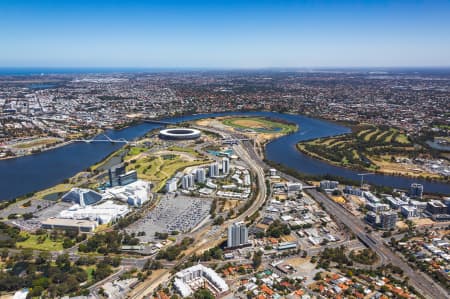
(371, 218)
(419, 205)
(237, 235)
(225, 166)
(80, 225)
(200, 175)
(293, 187)
(114, 174)
(128, 178)
(171, 185)
(388, 220)
(214, 170)
(395, 202)
(435, 207)
(377, 207)
(328, 185)
(118, 176)
(409, 212)
(416, 190)
(353, 191)
(370, 197)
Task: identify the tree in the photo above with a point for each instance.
(218, 221)
(5, 254)
(318, 276)
(63, 262)
(203, 294)
(257, 259)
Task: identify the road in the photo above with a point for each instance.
(203, 240)
(245, 150)
(424, 284)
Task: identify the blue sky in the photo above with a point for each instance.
(229, 34)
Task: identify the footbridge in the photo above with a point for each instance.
(103, 138)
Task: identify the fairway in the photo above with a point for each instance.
(158, 169)
(369, 148)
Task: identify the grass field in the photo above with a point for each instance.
(37, 142)
(259, 124)
(158, 169)
(33, 242)
(368, 147)
(60, 188)
(188, 150)
(136, 150)
(90, 272)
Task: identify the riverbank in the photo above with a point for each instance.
(380, 172)
(376, 149)
(41, 171)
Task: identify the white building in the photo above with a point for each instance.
(171, 185)
(329, 185)
(293, 187)
(409, 212)
(370, 197)
(237, 235)
(214, 170)
(200, 175)
(247, 179)
(195, 277)
(225, 166)
(187, 181)
(377, 207)
(135, 194)
(102, 213)
(272, 172)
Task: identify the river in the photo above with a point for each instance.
(27, 174)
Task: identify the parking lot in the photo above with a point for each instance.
(173, 213)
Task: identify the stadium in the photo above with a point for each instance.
(179, 134)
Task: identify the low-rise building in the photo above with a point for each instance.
(85, 226)
(409, 212)
(198, 276)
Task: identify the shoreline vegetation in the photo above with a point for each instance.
(125, 125)
(376, 149)
(295, 173)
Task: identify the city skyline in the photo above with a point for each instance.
(231, 34)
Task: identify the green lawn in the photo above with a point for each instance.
(136, 150)
(159, 170)
(90, 272)
(33, 243)
(259, 124)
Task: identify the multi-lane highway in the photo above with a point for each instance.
(204, 240)
(424, 284)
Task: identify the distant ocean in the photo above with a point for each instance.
(36, 71)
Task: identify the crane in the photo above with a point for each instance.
(362, 177)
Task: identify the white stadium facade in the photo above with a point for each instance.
(179, 133)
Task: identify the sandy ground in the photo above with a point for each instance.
(338, 199)
(230, 204)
